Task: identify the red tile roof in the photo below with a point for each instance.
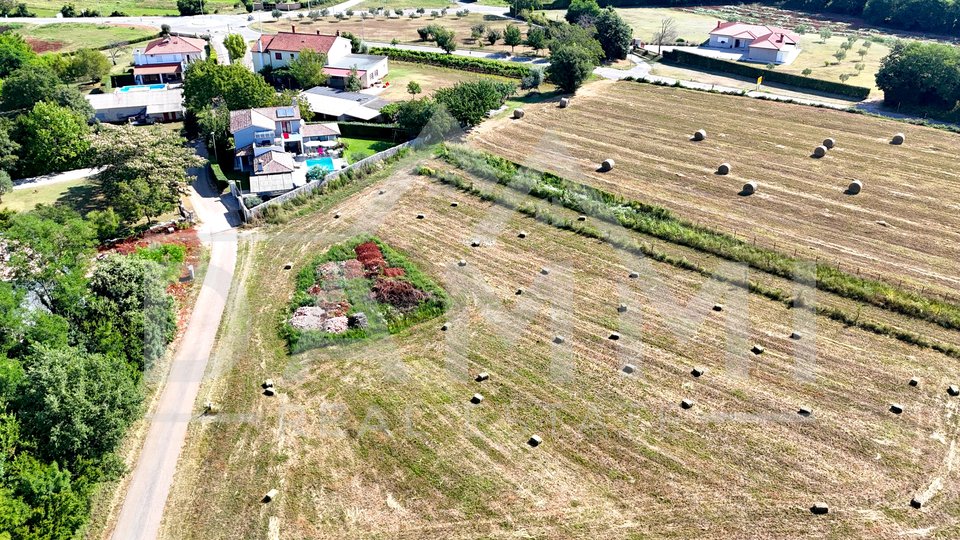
(751, 31)
(773, 41)
(273, 162)
(175, 45)
(295, 42)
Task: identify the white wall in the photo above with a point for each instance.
(340, 48)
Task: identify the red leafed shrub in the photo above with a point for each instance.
(370, 256)
(399, 294)
(394, 272)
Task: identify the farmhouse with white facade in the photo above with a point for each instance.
(278, 50)
(756, 43)
(163, 60)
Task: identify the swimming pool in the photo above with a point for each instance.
(324, 163)
(142, 87)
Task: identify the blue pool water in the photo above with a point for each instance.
(324, 163)
(142, 87)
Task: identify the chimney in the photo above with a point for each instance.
(293, 29)
(318, 32)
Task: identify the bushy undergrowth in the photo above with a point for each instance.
(661, 223)
(382, 318)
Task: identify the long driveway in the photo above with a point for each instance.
(149, 486)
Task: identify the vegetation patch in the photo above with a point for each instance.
(359, 289)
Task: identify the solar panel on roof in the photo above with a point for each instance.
(284, 113)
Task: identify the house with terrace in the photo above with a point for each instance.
(278, 50)
(276, 148)
(163, 60)
(755, 43)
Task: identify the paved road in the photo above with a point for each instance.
(146, 495)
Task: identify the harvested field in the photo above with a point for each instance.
(379, 438)
(903, 225)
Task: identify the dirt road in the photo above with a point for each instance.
(153, 474)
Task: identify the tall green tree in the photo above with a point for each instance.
(238, 87)
(88, 65)
(446, 39)
(512, 37)
(521, 7)
(37, 82)
(536, 39)
(57, 504)
(9, 148)
(76, 405)
(614, 34)
(52, 256)
(353, 81)
(469, 101)
(56, 139)
(583, 11)
(14, 53)
(131, 292)
(307, 68)
(570, 65)
(923, 74)
(236, 47)
(190, 7)
(6, 183)
(144, 170)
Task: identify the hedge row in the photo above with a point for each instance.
(769, 75)
(369, 130)
(463, 63)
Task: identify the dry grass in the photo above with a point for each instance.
(620, 459)
(801, 209)
(404, 29)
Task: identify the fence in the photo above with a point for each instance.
(310, 187)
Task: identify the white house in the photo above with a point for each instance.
(278, 50)
(264, 130)
(756, 43)
(163, 60)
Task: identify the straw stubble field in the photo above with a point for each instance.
(903, 225)
(378, 439)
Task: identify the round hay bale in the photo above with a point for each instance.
(454, 204)
(518, 114)
(564, 103)
(545, 271)
(462, 262)
(953, 390)
(629, 368)
(819, 151)
(687, 404)
(700, 135)
(475, 243)
(855, 187)
(724, 168)
(897, 139)
(829, 143)
(336, 216)
(421, 216)
(749, 188)
(820, 508)
(622, 308)
(522, 234)
(607, 165)
(914, 381)
(634, 275)
(581, 218)
(698, 371)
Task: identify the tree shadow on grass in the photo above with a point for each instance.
(83, 198)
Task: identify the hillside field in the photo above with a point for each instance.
(903, 225)
(378, 439)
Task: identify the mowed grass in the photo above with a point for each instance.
(79, 194)
(406, 4)
(383, 29)
(378, 439)
(73, 36)
(901, 228)
(430, 79)
(50, 8)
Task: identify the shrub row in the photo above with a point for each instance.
(369, 130)
(769, 75)
(544, 216)
(659, 222)
(463, 63)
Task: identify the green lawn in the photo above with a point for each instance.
(358, 149)
(81, 195)
(73, 36)
(49, 8)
